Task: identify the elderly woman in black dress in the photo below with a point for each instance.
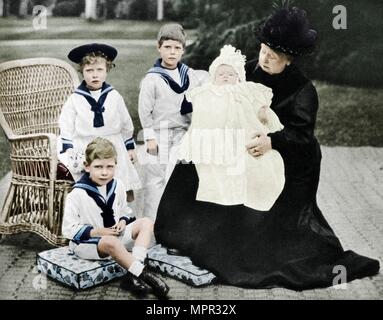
(292, 245)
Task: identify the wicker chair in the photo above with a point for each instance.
(32, 93)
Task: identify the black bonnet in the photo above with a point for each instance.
(287, 30)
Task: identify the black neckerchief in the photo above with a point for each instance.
(186, 106)
(106, 205)
(96, 106)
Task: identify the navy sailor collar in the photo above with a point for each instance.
(83, 90)
(182, 69)
(88, 185)
(106, 205)
(96, 106)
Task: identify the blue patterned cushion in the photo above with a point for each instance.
(62, 265)
(178, 267)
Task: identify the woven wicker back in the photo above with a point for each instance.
(32, 93)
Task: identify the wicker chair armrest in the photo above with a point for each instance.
(47, 135)
(34, 150)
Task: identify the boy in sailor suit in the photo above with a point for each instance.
(96, 109)
(164, 112)
(100, 225)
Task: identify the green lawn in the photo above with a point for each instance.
(12, 28)
(347, 116)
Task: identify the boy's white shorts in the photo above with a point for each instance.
(89, 250)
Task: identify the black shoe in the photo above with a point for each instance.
(132, 283)
(160, 288)
(173, 252)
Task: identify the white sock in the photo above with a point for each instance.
(136, 268)
(139, 253)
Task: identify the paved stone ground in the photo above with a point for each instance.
(350, 196)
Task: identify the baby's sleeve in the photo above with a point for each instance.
(273, 123)
(260, 94)
(267, 94)
(262, 97)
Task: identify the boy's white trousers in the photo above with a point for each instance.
(156, 170)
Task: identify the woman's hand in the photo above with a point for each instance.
(152, 147)
(132, 155)
(259, 145)
(99, 232)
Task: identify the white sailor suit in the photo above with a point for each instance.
(165, 116)
(89, 206)
(103, 113)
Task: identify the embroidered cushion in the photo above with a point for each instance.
(178, 267)
(62, 265)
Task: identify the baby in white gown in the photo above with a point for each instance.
(227, 113)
